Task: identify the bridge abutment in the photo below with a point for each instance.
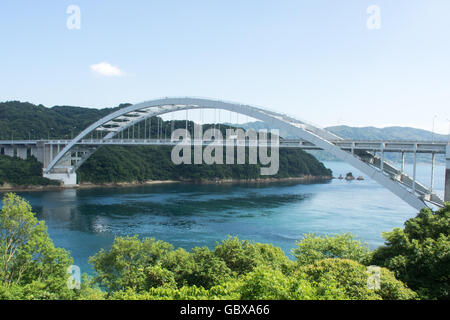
(68, 179)
(447, 174)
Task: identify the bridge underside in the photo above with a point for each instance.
(77, 151)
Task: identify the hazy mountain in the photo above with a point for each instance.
(387, 133)
(366, 133)
(370, 133)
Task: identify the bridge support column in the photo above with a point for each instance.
(67, 179)
(447, 174)
(432, 172)
(414, 170)
(22, 152)
(38, 151)
(403, 163)
(9, 151)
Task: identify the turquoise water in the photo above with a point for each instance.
(186, 215)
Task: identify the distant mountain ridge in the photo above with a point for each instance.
(369, 133)
(366, 133)
(387, 133)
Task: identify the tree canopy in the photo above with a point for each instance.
(419, 254)
(412, 265)
(31, 266)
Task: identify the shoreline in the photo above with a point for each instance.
(87, 185)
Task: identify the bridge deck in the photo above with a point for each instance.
(347, 145)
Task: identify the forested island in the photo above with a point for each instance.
(131, 164)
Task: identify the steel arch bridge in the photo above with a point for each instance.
(78, 150)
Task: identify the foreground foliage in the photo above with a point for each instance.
(419, 254)
(313, 248)
(135, 269)
(31, 267)
(330, 267)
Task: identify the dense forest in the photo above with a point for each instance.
(22, 120)
(115, 164)
(413, 264)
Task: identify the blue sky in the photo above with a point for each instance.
(316, 60)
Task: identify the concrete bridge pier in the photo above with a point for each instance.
(68, 179)
(45, 152)
(9, 151)
(38, 151)
(22, 152)
(447, 174)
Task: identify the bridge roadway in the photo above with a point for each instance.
(347, 145)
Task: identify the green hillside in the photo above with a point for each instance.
(22, 120)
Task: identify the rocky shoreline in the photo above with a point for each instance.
(86, 185)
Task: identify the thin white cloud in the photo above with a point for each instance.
(106, 69)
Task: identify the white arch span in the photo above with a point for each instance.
(126, 117)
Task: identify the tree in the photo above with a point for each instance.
(419, 254)
(181, 263)
(313, 248)
(351, 278)
(157, 276)
(242, 256)
(264, 283)
(209, 270)
(131, 263)
(30, 265)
